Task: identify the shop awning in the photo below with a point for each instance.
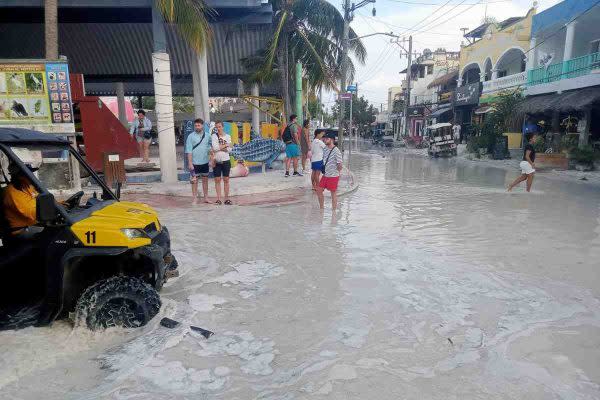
(440, 111)
(484, 110)
(572, 100)
(444, 79)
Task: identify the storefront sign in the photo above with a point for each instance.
(467, 95)
(35, 94)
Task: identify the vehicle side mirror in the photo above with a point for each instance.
(45, 208)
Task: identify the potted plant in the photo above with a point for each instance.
(548, 160)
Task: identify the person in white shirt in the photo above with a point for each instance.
(316, 160)
(332, 166)
(221, 145)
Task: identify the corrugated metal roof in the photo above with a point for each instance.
(125, 49)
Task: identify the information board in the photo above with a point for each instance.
(35, 94)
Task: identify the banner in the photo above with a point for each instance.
(35, 94)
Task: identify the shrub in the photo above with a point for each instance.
(585, 155)
(539, 144)
(569, 142)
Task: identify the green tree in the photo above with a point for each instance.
(309, 31)
(363, 113)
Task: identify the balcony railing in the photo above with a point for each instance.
(564, 70)
(506, 82)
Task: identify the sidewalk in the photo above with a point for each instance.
(256, 188)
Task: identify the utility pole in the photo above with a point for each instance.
(407, 99)
(348, 16)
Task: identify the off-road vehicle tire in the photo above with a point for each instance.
(119, 301)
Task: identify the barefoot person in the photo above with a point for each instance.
(305, 143)
(527, 165)
(291, 140)
(332, 166)
(221, 145)
(316, 160)
(197, 147)
(141, 131)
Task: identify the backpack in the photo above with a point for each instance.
(287, 135)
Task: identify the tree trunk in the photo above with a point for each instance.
(51, 28)
(282, 56)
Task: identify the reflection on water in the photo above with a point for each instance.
(462, 211)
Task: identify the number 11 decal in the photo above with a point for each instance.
(90, 237)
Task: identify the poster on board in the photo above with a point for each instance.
(35, 94)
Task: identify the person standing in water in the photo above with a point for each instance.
(317, 158)
(221, 145)
(527, 165)
(332, 166)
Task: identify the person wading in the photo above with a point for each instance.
(141, 131)
(332, 166)
(198, 147)
(305, 143)
(221, 144)
(317, 147)
(527, 165)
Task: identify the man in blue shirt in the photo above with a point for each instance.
(197, 148)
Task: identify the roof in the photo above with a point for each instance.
(559, 14)
(440, 111)
(480, 30)
(440, 125)
(111, 41)
(20, 135)
(444, 79)
(567, 101)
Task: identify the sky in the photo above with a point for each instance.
(432, 23)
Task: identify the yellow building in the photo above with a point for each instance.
(496, 55)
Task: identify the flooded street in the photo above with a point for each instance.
(430, 282)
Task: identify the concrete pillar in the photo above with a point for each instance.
(203, 75)
(494, 74)
(198, 110)
(120, 88)
(165, 123)
(555, 125)
(459, 82)
(532, 54)
(255, 111)
(584, 136)
(569, 41)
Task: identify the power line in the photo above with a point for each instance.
(389, 25)
(437, 4)
(430, 15)
(448, 12)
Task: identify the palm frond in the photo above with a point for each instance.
(357, 47)
(265, 72)
(190, 19)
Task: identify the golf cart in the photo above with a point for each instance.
(93, 258)
(441, 143)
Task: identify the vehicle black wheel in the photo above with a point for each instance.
(119, 301)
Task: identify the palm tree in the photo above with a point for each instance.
(309, 31)
(51, 28)
(190, 19)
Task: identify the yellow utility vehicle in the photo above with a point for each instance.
(91, 257)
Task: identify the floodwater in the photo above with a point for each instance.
(430, 282)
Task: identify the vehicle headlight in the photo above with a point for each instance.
(134, 233)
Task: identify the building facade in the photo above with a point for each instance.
(563, 76)
(425, 98)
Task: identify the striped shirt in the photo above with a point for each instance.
(331, 158)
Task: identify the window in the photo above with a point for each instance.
(502, 74)
(429, 69)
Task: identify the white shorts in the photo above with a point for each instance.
(526, 168)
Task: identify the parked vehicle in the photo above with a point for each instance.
(440, 140)
(100, 262)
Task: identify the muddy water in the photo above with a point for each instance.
(430, 282)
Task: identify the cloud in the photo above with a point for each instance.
(383, 64)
